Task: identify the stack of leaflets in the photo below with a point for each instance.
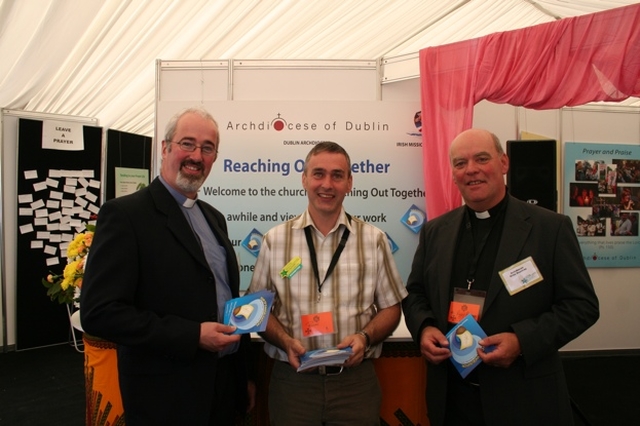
(326, 356)
(463, 341)
(249, 313)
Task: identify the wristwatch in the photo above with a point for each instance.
(366, 338)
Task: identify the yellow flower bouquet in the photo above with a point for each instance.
(65, 287)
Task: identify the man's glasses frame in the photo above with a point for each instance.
(189, 146)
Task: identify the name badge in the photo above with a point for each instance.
(466, 302)
(317, 324)
(521, 275)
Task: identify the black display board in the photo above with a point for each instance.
(532, 172)
(40, 321)
(125, 150)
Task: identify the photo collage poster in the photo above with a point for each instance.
(602, 198)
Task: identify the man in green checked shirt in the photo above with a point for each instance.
(336, 285)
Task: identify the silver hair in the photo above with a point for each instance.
(170, 130)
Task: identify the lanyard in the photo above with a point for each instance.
(334, 259)
(477, 249)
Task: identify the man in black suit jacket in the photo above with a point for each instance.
(160, 269)
(460, 263)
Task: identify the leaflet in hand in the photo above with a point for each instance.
(326, 356)
(249, 313)
(463, 341)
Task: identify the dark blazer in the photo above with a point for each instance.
(545, 317)
(147, 287)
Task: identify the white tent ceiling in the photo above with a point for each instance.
(97, 58)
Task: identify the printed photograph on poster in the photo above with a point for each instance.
(602, 187)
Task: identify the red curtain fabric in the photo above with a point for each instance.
(569, 62)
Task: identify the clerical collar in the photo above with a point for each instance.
(188, 203)
(492, 212)
(180, 198)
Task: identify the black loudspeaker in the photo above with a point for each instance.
(532, 172)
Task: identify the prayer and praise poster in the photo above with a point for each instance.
(602, 198)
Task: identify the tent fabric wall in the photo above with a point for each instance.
(570, 62)
(96, 58)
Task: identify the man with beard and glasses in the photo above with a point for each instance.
(160, 270)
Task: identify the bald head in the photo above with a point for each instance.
(471, 135)
(478, 165)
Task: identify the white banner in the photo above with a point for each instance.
(256, 181)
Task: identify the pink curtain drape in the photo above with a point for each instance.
(569, 62)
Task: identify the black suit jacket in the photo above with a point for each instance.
(545, 316)
(147, 287)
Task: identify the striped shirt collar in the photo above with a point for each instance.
(305, 220)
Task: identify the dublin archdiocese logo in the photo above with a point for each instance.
(278, 123)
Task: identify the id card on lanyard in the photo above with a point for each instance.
(465, 302)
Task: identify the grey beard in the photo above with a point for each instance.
(188, 184)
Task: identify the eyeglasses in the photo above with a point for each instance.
(189, 146)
